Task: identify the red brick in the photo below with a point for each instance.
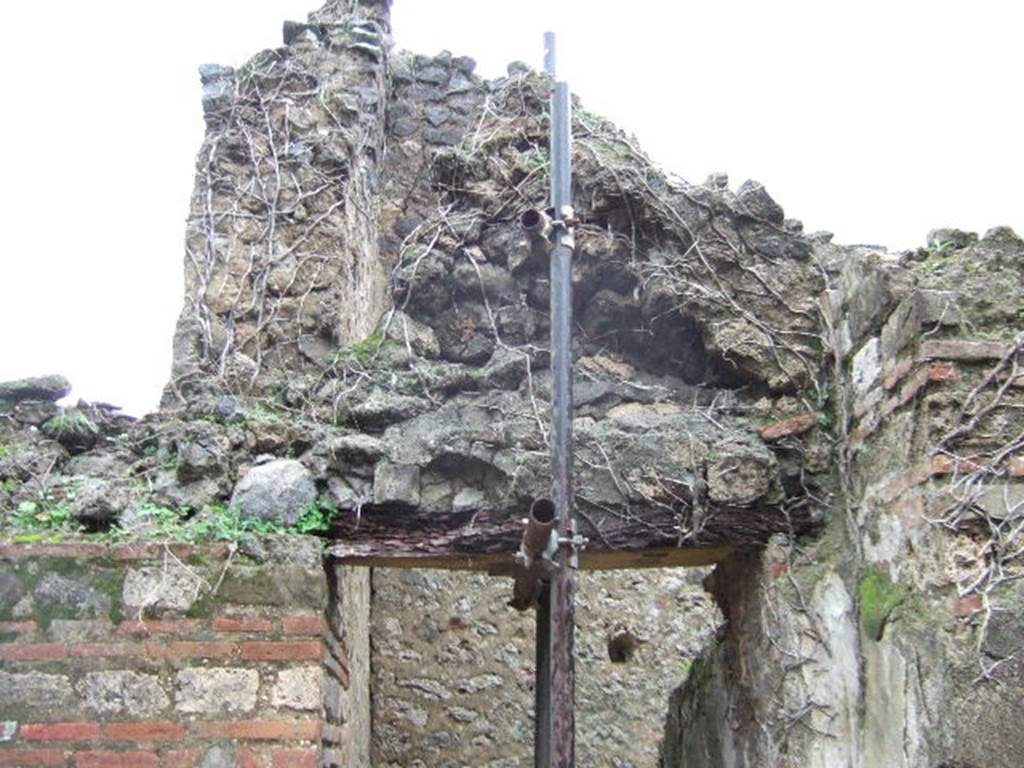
(778, 570)
(248, 759)
(868, 403)
(959, 349)
(944, 464)
(116, 760)
(59, 732)
(338, 671)
(862, 433)
(964, 607)
(945, 372)
(337, 650)
(270, 730)
(185, 649)
(904, 481)
(32, 652)
(83, 550)
(299, 650)
(794, 426)
(105, 650)
(139, 551)
(21, 627)
(896, 375)
(158, 627)
(182, 758)
(244, 624)
(907, 392)
(151, 731)
(32, 758)
(309, 624)
(296, 758)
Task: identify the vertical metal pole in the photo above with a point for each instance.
(542, 683)
(555, 668)
(542, 686)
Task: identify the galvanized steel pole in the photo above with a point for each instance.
(556, 725)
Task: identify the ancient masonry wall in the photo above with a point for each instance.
(152, 656)
(453, 666)
(894, 638)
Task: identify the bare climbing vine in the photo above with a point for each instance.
(280, 205)
(986, 435)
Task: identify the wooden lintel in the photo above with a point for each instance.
(502, 564)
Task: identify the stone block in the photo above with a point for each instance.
(216, 690)
(396, 484)
(958, 349)
(74, 598)
(921, 310)
(277, 492)
(11, 590)
(151, 589)
(1000, 501)
(47, 388)
(870, 284)
(35, 692)
(119, 692)
(298, 688)
(866, 366)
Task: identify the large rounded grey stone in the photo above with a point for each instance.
(277, 492)
(48, 388)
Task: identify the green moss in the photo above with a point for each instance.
(201, 609)
(72, 425)
(108, 581)
(250, 585)
(879, 597)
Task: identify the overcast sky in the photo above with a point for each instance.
(874, 120)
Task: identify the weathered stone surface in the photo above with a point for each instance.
(405, 331)
(100, 501)
(81, 630)
(120, 692)
(866, 367)
(70, 597)
(448, 656)
(950, 239)
(298, 688)
(741, 475)
(220, 756)
(48, 388)
(153, 590)
(218, 690)
(755, 200)
(11, 590)
(200, 452)
(33, 693)
(34, 412)
(277, 492)
(396, 484)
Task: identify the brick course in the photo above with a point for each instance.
(160, 724)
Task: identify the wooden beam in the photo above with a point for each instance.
(502, 564)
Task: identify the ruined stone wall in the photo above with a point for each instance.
(150, 655)
(281, 260)
(453, 666)
(893, 638)
(362, 354)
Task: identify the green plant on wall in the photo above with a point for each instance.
(317, 517)
(72, 425)
(41, 519)
(879, 597)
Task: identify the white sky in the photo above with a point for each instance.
(874, 120)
